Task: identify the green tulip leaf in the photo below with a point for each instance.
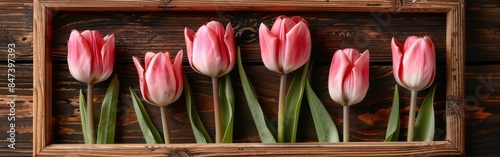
(424, 125)
(293, 101)
(266, 131)
(151, 134)
(107, 123)
(392, 133)
(325, 127)
(226, 108)
(83, 116)
(199, 131)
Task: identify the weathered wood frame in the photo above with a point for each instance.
(453, 145)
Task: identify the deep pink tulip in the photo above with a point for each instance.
(211, 50)
(287, 46)
(91, 57)
(161, 78)
(414, 63)
(348, 80)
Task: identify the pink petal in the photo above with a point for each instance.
(147, 58)
(298, 48)
(338, 69)
(298, 19)
(431, 59)
(160, 80)
(189, 38)
(269, 49)
(286, 25)
(352, 55)
(79, 56)
(419, 65)
(359, 82)
(142, 81)
(108, 58)
(177, 67)
(410, 41)
(276, 28)
(397, 57)
(206, 55)
(229, 40)
(95, 41)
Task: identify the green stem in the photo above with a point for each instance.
(346, 123)
(215, 87)
(166, 136)
(411, 119)
(281, 110)
(90, 115)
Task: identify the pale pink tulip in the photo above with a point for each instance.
(414, 63)
(348, 80)
(287, 46)
(211, 50)
(90, 57)
(161, 78)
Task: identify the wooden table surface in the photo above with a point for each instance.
(482, 78)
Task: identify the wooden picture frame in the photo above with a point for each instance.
(452, 146)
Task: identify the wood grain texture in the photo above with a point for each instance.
(455, 67)
(293, 5)
(42, 77)
(441, 148)
(16, 25)
(139, 32)
(481, 75)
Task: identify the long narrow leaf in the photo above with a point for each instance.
(199, 131)
(151, 134)
(392, 133)
(325, 127)
(226, 108)
(107, 123)
(266, 131)
(424, 125)
(83, 116)
(293, 101)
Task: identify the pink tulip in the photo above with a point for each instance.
(287, 46)
(161, 80)
(91, 57)
(348, 80)
(414, 63)
(211, 50)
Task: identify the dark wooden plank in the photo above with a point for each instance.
(483, 32)
(482, 111)
(16, 18)
(139, 32)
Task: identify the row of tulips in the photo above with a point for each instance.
(211, 51)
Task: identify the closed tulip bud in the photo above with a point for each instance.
(287, 46)
(348, 79)
(211, 50)
(161, 78)
(414, 63)
(90, 57)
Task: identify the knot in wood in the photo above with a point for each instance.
(454, 107)
(180, 153)
(245, 30)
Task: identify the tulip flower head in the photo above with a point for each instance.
(287, 46)
(211, 50)
(90, 57)
(348, 80)
(414, 63)
(161, 78)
